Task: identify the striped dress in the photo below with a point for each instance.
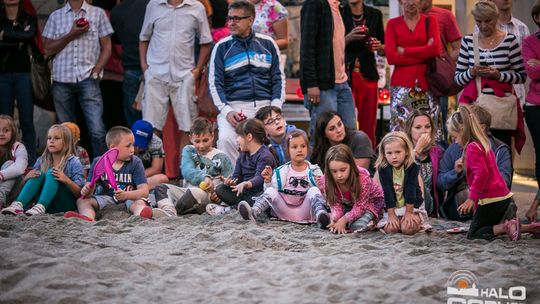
(506, 58)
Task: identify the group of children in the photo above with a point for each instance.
(271, 176)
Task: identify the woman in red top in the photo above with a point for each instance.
(412, 40)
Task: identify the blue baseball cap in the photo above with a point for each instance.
(143, 132)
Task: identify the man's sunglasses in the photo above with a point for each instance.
(236, 18)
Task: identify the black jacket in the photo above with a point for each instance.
(411, 189)
(14, 45)
(357, 49)
(316, 49)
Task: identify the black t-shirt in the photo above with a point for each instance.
(14, 45)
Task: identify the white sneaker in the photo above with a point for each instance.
(165, 211)
(214, 209)
(14, 209)
(245, 211)
(36, 210)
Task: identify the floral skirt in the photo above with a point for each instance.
(405, 100)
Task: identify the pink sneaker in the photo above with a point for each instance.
(146, 213)
(73, 214)
(513, 229)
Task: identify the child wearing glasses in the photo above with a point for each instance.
(277, 130)
(291, 192)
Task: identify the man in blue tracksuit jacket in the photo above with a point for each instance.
(244, 75)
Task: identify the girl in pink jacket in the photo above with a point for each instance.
(488, 194)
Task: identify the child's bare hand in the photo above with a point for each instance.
(230, 181)
(409, 220)
(458, 165)
(86, 190)
(214, 197)
(339, 227)
(31, 174)
(60, 176)
(120, 195)
(267, 174)
(466, 207)
(532, 213)
(241, 187)
(209, 184)
(393, 223)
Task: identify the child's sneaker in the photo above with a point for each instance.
(36, 210)
(13, 209)
(513, 229)
(165, 211)
(245, 211)
(73, 214)
(214, 209)
(323, 219)
(146, 213)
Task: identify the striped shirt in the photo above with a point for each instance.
(75, 62)
(506, 58)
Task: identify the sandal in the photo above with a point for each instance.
(513, 229)
(535, 228)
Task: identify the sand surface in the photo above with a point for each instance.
(204, 259)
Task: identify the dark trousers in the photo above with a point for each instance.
(532, 117)
(229, 197)
(485, 218)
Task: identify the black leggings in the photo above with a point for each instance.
(532, 115)
(230, 198)
(485, 218)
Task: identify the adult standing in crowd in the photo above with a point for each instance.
(500, 63)
(244, 75)
(531, 60)
(412, 40)
(127, 20)
(78, 36)
(365, 35)
(450, 42)
(271, 19)
(323, 76)
(167, 57)
(17, 33)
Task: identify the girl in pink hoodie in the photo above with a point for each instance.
(488, 194)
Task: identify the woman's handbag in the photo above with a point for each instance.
(440, 74)
(40, 75)
(503, 110)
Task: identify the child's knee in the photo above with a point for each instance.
(87, 203)
(138, 204)
(409, 229)
(313, 191)
(272, 192)
(390, 230)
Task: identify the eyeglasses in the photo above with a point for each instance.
(274, 120)
(235, 18)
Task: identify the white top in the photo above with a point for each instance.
(20, 158)
(171, 32)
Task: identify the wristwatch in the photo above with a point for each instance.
(95, 76)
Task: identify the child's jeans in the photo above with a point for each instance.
(54, 196)
(229, 197)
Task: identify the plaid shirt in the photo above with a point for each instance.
(76, 61)
(316, 48)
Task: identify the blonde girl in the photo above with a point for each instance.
(58, 174)
(13, 157)
(489, 196)
(399, 176)
(291, 191)
(355, 200)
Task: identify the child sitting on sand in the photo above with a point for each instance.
(201, 163)
(489, 196)
(80, 152)
(13, 158)
(246, 181)
(291, 192)
(399, 176)
(129, 175)
(355, 200)
(276, 130)
(149, 148)
(57, 177)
